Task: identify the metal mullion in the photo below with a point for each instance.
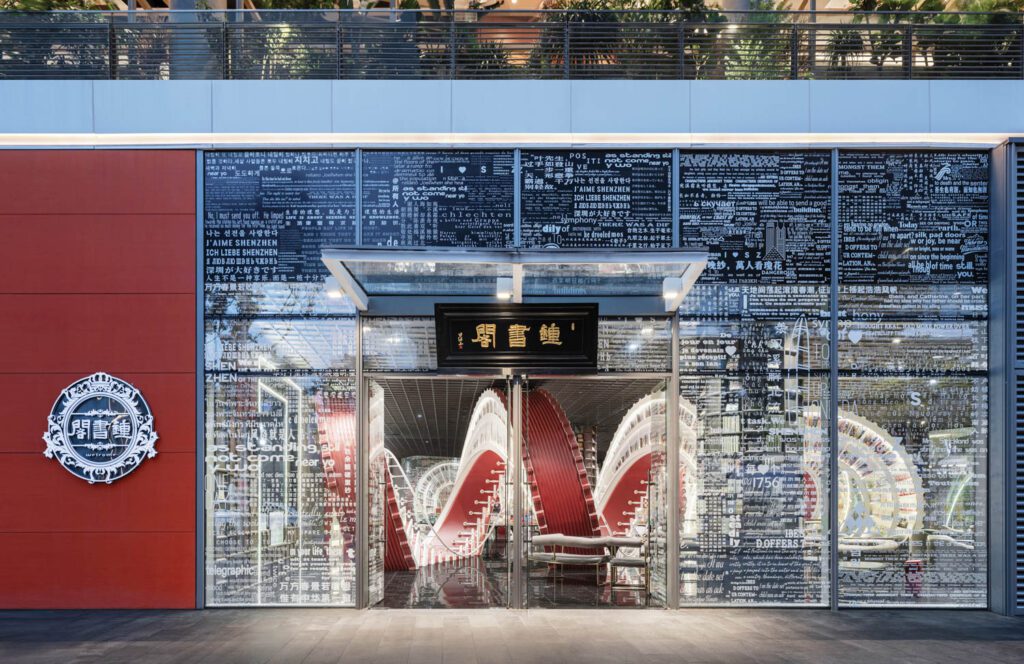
(676, 184)
(510, 483)
(516, 592)
(1002, 374)
(672, 459)
(362, 477)
(833, 386)
(517, 192)
(200, 488)
(359, 196)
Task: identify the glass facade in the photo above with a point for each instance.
(913, 406)
(754, 365)
(280, 396)
(763, 343)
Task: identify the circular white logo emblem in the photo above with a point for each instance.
(100, 429)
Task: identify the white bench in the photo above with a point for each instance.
(608, 546)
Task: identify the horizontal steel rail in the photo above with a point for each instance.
(510, 44)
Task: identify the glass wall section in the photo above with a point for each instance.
(280, 393)
(458, 198)
(913, 390)
(754, 379)
(609, 199)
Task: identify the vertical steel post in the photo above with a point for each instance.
(1002, 372)
(507, 489)
(452, 45)
(111, 51)
(359, 197)
(565, 47)
(517, 196)
(794, 52)
(908, 52)
(362, 477)
(514, 469)
(672, 463)
(338, 49)
(833, 389)
(676, 182)
(682, 49)
(226, 49)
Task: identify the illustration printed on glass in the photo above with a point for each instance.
(596, 198)
(454, 198)
(268, 214)
(100, 429)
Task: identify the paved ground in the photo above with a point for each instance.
(496, 636)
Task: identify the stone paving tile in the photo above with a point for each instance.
(326, 636)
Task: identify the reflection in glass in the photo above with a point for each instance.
(913, 356)
(279, 344)
(427, 277)
(597, 477)
(597, 279)
(439, 504)
(280, 489)
(634, 344)
(912, 491)
(753, 490)
(277, 298)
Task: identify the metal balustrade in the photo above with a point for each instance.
(507, 44)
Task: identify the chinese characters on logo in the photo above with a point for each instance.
(100, 429)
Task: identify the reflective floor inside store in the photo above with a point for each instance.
(733, 636)
(442, 493)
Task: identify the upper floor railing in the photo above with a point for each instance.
(507, 44)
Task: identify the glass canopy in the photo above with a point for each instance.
(365, 274)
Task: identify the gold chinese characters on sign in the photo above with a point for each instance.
(517, 335)
(485, 335)
(554, 337)
(549, 334)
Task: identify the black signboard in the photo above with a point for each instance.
(543, 337)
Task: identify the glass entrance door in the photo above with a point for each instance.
(439, 505)
(594, 486)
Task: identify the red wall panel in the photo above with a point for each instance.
(67, 570)
(26, 399)
(99, 276)
(98, 181)
(88, 333)
(127, 505)
(80, 257)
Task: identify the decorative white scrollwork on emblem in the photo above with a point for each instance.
(100, 429)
